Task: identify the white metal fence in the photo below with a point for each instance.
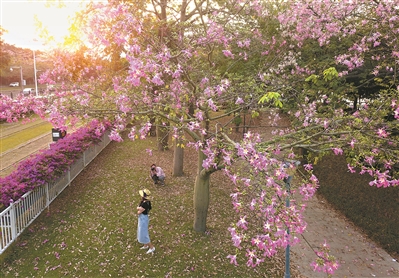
(20, 214)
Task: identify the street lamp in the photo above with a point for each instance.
(287, 181)
(22, 79)
(34, 69)
(34, 65)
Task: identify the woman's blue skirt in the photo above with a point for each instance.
(142, 229)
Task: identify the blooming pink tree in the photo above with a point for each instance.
(181, 64)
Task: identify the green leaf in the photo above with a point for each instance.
(329, 74)
(272, 97)
(313, 78)
(254, 114)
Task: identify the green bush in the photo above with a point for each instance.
(373, 210)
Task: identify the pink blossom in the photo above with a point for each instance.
(252, 204)
(157, 80)
(233, 259)
(352, 143)
(381, 132)
(308, 167)
(212, 105)
(199, 115)
(228, 53)
(351, 169)
(307, 191)
(337, 151)
(242, 223)
(239, 101)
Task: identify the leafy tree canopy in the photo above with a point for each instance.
(4, 55)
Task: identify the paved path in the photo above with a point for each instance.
(358, 255)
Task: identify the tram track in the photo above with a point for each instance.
(11, 158)
(25, 144)
(12, 130)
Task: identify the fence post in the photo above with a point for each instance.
(84, 158)
(13, 221)
(69, 176)
(47, 196)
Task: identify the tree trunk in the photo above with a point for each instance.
(201, 196)
(178, 158)
(162, 138)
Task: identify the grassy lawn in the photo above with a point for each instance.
(90, 229)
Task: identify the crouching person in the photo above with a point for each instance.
(157, 174)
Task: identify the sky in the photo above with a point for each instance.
(17, 17)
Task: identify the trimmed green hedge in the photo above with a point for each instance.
(374, 210)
